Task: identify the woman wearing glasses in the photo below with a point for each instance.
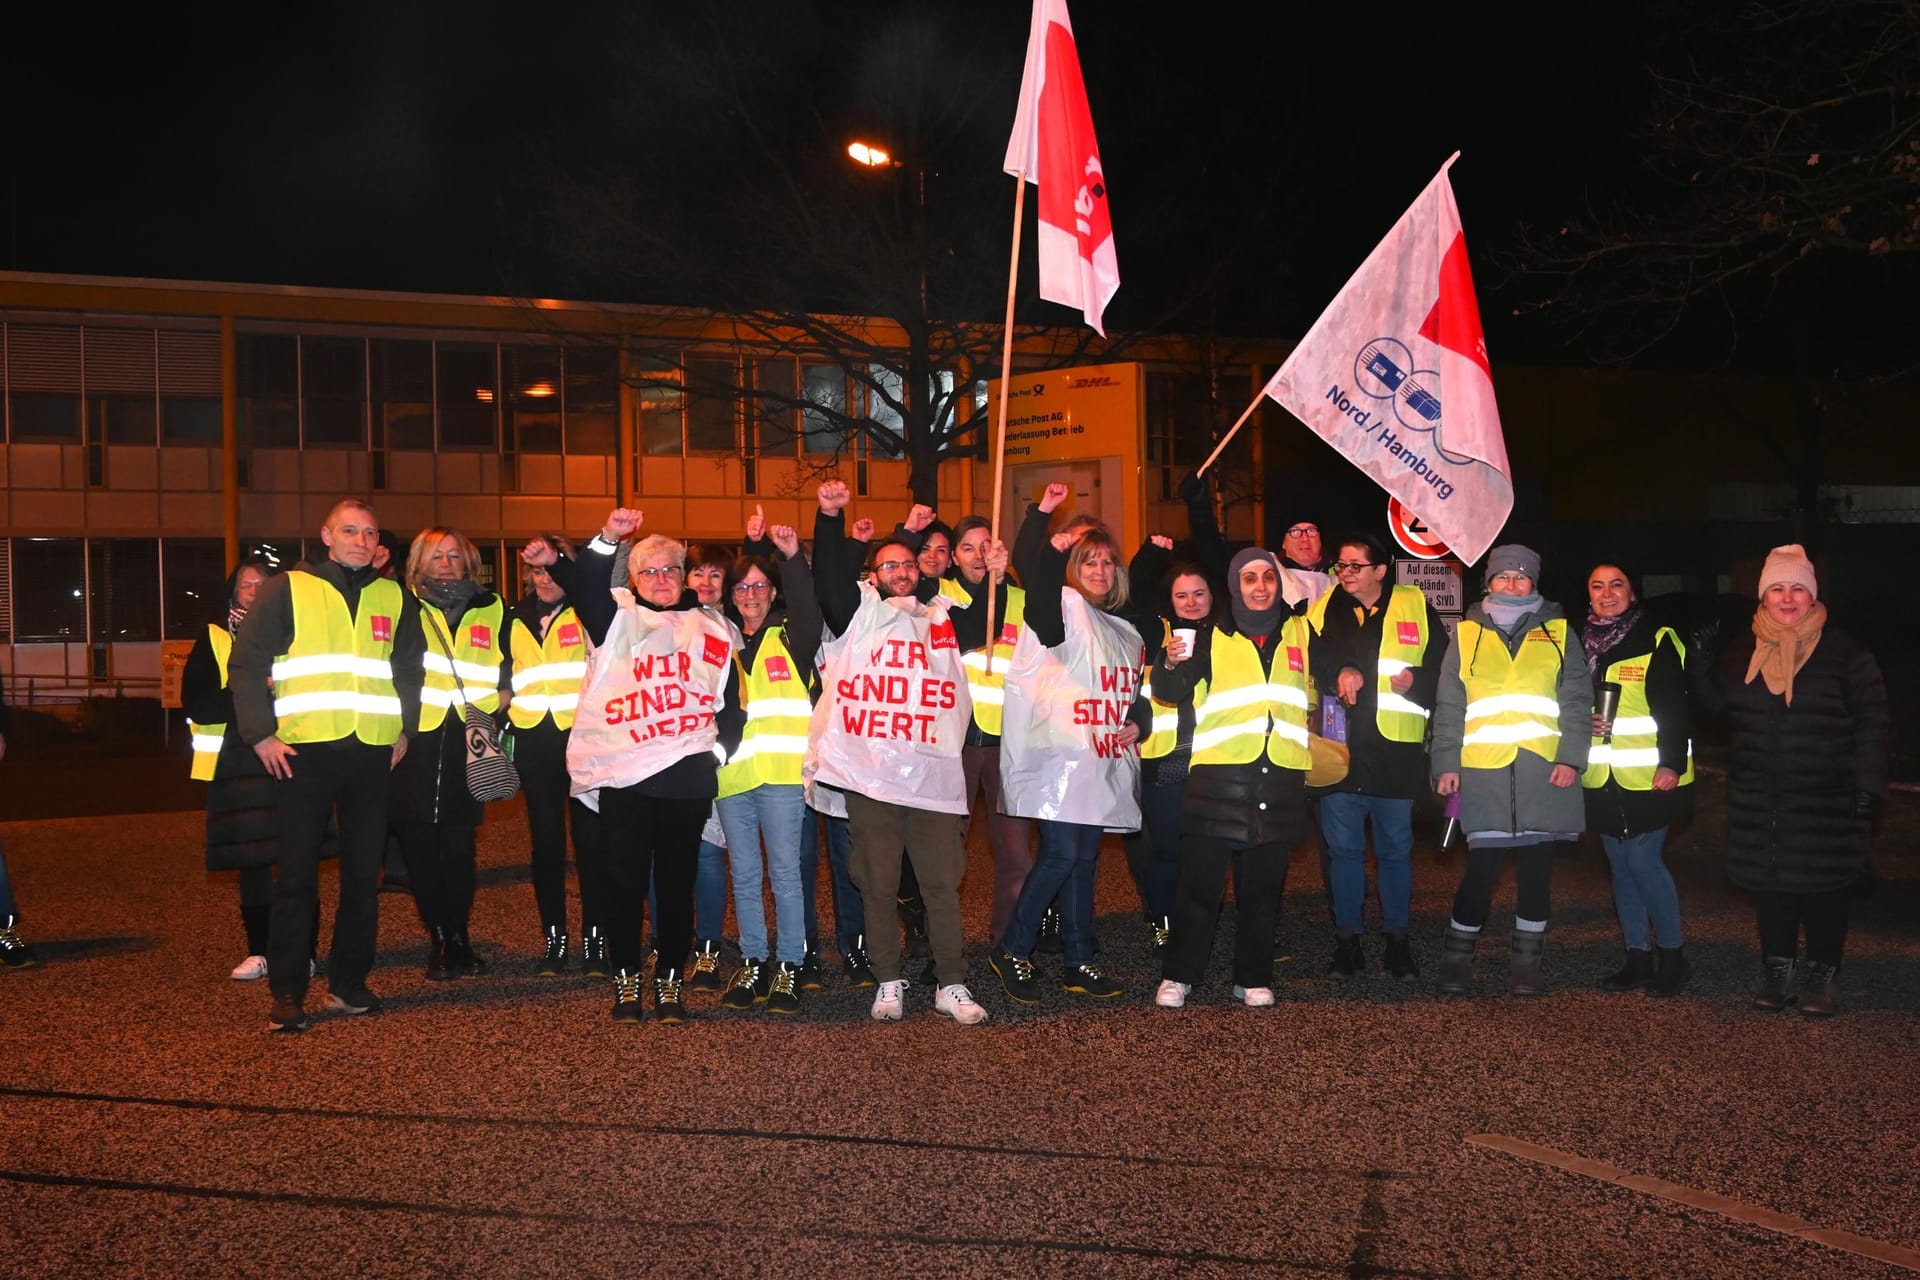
(763, 734)
(645, 756)
(1512, 720)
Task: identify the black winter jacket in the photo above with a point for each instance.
(1612, 809)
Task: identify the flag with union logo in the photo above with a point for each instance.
(1394, 374)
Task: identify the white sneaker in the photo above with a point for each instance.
(890, 1001)
(1254, 997)
(958, 1003)
(252, 969)
(1173, 995)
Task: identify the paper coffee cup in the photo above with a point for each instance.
(1186, 636)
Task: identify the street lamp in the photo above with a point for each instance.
(871, 156)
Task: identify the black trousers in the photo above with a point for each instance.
(1533, 880)
(440, 869)
(541, 756)
(351, 777)
(1824, 915)
(1204, 864)
(256, 908)
(653, 838)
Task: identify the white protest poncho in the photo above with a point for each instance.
(1060, 755)
(649, 697)
(894, 707)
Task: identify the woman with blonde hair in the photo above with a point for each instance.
(467, 663)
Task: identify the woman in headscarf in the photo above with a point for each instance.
(1808, 721)
(1246, 795)
(467, 663)
(240, 803)
(1639, 778)
(1512, 720)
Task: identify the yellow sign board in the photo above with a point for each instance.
(1082, 427)
(173, 663)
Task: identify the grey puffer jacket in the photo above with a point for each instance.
(1516, 797)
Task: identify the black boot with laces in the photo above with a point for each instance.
(554, 962)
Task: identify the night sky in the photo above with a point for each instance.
(412, 146)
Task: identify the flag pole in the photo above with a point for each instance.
(1006, 380)
(1231, 432)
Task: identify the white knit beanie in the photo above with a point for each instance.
(1789, 564)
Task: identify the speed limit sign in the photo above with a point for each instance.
(1413, 534)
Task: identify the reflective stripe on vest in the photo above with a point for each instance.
(207, 737)
(473, 673)
(1512, 701)
(1165, 735)
(1403, 646)
(1633, 756)
(1243, 705)
(547, 673)
(989, 691)
(336, 678)
(773, 741)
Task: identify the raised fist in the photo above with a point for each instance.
(919, 518)
(1055, 495)
(1161, 541)
(834, 496)
(785, 540)
(621, 522)
(539, 554)
(862, 530)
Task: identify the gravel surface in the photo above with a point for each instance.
(504, 1126)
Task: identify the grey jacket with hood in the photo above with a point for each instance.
(1516, 798)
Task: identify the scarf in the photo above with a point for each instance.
(448, 595)
(235, 614)
(1505, 612)
(1251, 621)
(1602, 634)
(1779, 652)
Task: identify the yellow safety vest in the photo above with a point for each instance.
(1633, 756)
(1241, 704)
(476, 662)
(547, 673)
(207, 737)
(989, 690)
(1403, 646)
(774, 739)
(336, 678)
(1165, 735)
(1512, 702)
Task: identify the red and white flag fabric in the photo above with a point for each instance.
(1394, 375)
(1053, 147)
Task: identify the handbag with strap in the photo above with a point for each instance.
(491, 774)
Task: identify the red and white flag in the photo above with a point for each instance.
(1053, 147)
(1394, 375)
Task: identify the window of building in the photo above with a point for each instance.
(771, 413)
(43, 383)
(660, 401)
(190, 420)
(402, 381)
(592, 399)
(193, 579)
(879, 394)
(534, 386)
(824, 388)
(469, 394)
(124, 578)
(333, 391)
(713, 406)
(189, 387)
(269, 378)
(49, 590)
(1179, 417)
(122, 396)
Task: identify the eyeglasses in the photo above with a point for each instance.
(1303, 531)
(894, 566)
(752, 588)
(660, 574)
(1351, 566)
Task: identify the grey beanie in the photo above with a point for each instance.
(1513, 558)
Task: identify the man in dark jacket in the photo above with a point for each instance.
(1376, 651)
(318, 773)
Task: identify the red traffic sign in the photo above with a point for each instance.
(1414, 535)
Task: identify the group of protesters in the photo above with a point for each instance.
(694, 715)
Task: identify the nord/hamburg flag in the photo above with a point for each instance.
(1053, 147)
(1394, 375)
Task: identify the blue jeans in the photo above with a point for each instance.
(1643, 889)
(1343, 825)
(810, 870)
(773, 813)
(709, 895)
(1069, 856)
(7, 909)
(849, 911)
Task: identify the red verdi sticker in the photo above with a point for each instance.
(383, 628)
(1010, 633)
(715, 652)
(941, 636)
(1295, 660)
(1409, 632)
(570, 635)
(777, 668)
(480, 637)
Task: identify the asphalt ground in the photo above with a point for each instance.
(504, 1126)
